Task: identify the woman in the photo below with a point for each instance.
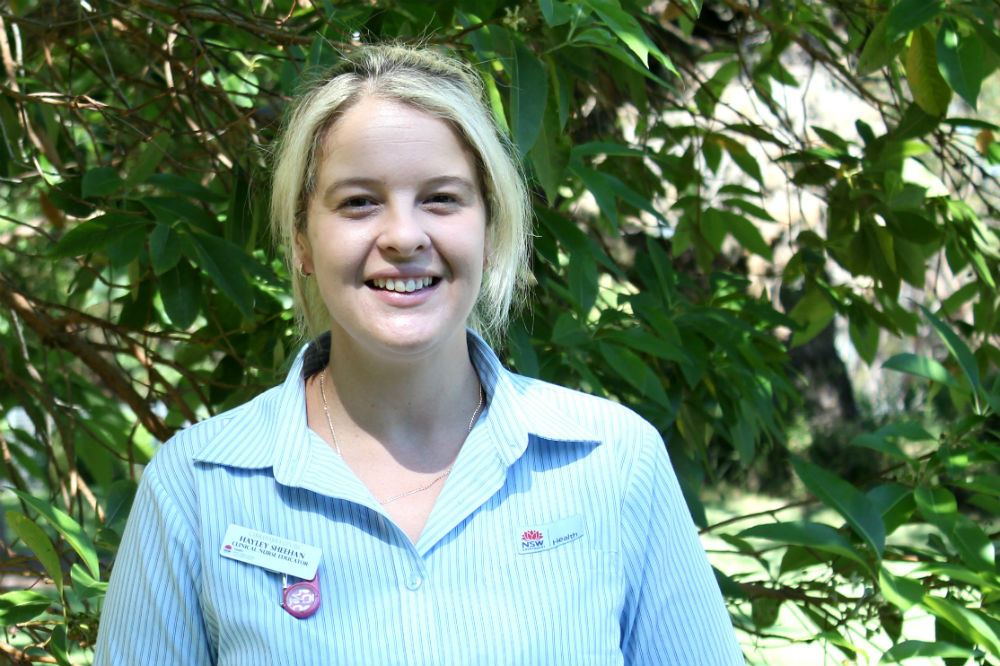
(402, 498)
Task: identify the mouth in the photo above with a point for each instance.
(402, 285)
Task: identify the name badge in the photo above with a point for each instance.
(550, 535)
(270, 552)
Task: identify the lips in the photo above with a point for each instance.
(403, 285)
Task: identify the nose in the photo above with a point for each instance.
(402, 232)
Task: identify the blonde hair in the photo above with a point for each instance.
(435, 84)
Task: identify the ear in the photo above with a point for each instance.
(303, 253)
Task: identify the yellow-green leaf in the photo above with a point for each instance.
(930, 91)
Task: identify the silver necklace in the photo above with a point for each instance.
(442, 475)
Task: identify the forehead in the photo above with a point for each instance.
(380, 134)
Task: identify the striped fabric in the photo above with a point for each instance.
(561, 537)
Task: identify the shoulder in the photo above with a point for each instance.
(557, 412)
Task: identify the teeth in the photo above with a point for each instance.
(407, 286)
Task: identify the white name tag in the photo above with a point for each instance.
(270, 552)
(550, 535)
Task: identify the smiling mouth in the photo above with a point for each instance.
(403, 285)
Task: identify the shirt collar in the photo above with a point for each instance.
(271, 430)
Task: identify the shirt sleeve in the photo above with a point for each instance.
(674, 612)
(152, 613)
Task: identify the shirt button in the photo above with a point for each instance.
(414, 581)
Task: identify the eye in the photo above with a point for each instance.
(356, 205)
(356, 202)
(443, 202)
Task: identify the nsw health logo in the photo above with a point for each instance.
(532, 540)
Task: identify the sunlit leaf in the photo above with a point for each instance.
(919, 366)
(961, 59)
(39, 543)
(930, 91)
(67, 527)
(21, 606)
(846, 500)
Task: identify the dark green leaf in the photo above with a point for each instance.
(528, 97)
(165, 248)
(100, 182)
(223, 262)
(906, 15)
(961, 60)
(180, 290)
(96, 234)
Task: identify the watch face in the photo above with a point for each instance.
(301, 599)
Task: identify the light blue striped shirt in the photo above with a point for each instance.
(627, 584)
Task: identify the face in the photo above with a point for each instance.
(396, 230)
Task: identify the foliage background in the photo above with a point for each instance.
(704, 237)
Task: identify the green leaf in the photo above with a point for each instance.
(100, 182)
(39, 543)
(913, 649)
(180, 291)
(930, 91)
(961, 59)
(600, 187)
(919, 366)
(968, 622)
(805, 533)
(846, 500)
(85, 585)
(813, 312)
(184, 187)
(528, 96)
(119, 502)
(938, 507)
(152, 152)
(957, 347)
(635, 371)
(555, 12)
(67, 527)
(864, 333)
(57, 644)
(900, 591)
(21, 606)
(742, 229)
(223, 262)
(550, 155)
(96, 234)
(907, 15)
(165, 248)
(878, 50)
(876, 443)
(627, 29)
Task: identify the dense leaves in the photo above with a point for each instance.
(664, 142)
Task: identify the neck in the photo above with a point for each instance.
(415, 407)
